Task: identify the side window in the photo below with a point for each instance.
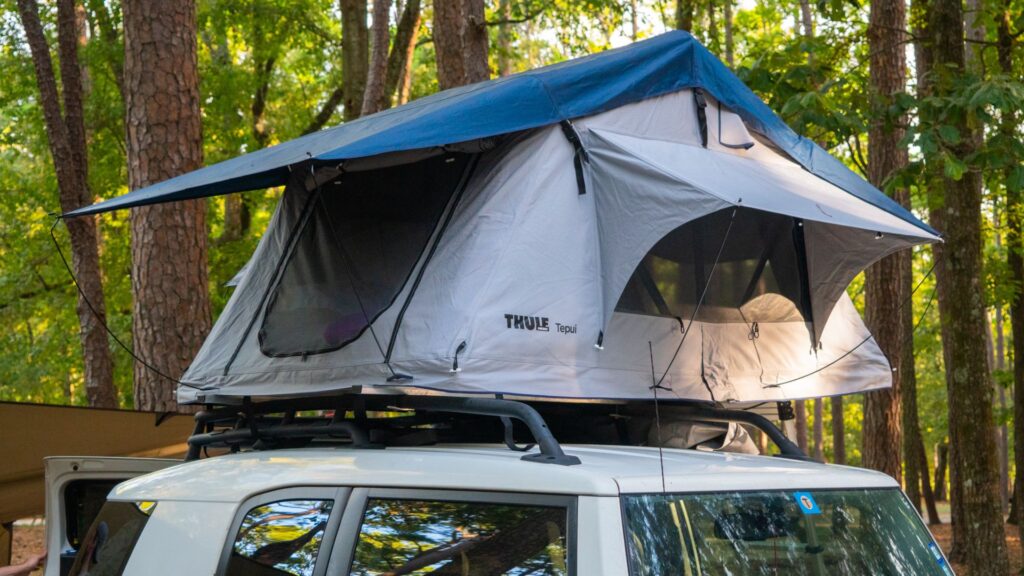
(460, 538)
(280, 538)
(106, 547)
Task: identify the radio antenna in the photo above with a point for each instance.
(657, 416)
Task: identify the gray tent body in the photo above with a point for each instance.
(528, 266)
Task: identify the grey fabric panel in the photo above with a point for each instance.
(836, 254)
(636, 206)
(244, 306)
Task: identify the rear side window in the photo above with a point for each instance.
(109, 542)
(280, 538)
(475, 538)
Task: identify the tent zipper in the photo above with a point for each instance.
(579, 154)
(455, 362)
(445, 220)
(702, 115)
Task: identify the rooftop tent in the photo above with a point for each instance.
(566, 232)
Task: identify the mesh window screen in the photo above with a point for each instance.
(357, 250)
(759, 277)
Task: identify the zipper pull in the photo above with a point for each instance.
(455, 363)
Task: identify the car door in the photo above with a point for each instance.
(76, 489)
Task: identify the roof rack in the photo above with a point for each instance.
(375, 421)
(253, 424)
(787, 448)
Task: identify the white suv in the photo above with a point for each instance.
(343, 503)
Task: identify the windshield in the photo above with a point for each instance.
(791, 533)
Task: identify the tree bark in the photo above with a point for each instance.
(819, 429)
(380, 39)
(684, 15)
(402, 51)
(801, 425)
(451, 66)
(838, 431)
(885, 289)
(67, 141)
(978, 534)
(712, 40)
(727, 23)
(460, 42)
(474, 41)
(941, 468)
(1015, 262)
(505, 38)
(171, 304)
(355, 57)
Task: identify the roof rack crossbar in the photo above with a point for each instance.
(550, 450)
(787, 448)
(248, 435)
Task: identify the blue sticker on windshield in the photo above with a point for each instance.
(806, 503)
(937, 554)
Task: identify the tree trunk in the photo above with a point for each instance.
(684, 15)
(978, 524)
(885, 283)
(237, 217)
(712, 41)
(380, 38)
(941, 468)
(807, 19)
(505, 38)
(926, 487)
(474, 41)
(801, 425)
(171, 304)
(1015, 261)
(819, 429)
(355, 56)
(67, 141)
(451, 70)
(402, 51)
(727, 23)
(838, 431)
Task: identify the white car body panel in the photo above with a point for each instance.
(182, 538)
(605, 471)
(198, 502)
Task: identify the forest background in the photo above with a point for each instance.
(101, 96)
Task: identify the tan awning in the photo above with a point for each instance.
(30, 432)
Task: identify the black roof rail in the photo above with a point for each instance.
(250, 425)
(787, 448)
(550, 451)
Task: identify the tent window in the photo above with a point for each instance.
(357, 250)
(758, 278)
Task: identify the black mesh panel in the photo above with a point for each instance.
(362, 240)
(758, 278)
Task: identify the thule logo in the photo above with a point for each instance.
(535, 323)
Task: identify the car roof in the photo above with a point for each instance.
(604, 471)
